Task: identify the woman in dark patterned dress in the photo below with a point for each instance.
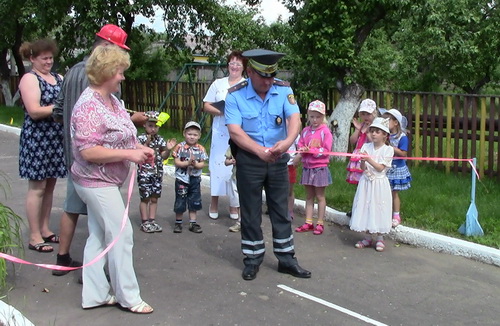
(41, 158)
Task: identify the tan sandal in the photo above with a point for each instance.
(141, 308)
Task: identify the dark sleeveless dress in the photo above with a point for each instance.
(41, 154)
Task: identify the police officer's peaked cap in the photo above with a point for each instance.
(264, 62)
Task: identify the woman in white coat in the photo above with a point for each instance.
(220, 174)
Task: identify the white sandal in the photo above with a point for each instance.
(141, 308)
(112, 301)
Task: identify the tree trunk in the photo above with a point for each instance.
(343, 113)
(5, 86)
(15, 49)
(4, 77)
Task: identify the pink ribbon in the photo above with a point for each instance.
(129, 195)
(445, 159)
(93, 261)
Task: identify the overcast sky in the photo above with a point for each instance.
(270, 10)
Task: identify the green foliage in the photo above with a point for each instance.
(237, 27)
(330, 39)
(74, 23)
(422, 45)
(449, 41)
(378, 62)
(151, 59)
(10, 230)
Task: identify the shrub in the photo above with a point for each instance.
(10, 230)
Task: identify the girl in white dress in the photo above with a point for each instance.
(220, 174)
(372, 207)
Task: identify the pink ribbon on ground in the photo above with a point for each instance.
(93, 261)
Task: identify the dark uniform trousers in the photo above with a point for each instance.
(253, 175)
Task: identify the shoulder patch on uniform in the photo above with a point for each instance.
(291, 99)
(237, 86)
(281, 83)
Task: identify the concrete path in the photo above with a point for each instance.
(195, 279)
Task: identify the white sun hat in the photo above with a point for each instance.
(381, 123)
(403, 122)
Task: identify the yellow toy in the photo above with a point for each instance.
(162, 118)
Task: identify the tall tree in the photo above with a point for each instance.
(24, 20)
(450, 41)
(74, 23)
(330, 37)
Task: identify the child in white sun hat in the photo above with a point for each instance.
(372, 206)
(399, 175)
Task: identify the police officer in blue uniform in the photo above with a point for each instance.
(263, 121)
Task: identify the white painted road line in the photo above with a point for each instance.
(331, 305)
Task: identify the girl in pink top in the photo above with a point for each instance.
(315, 139)
(367, 113)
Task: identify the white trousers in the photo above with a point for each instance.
(105, 214)
(232, 192)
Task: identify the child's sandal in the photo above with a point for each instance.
(363, 244)
(380, 246)
(318, 230)
(305, 228)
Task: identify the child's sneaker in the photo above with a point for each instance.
(318, 230)
(195, 227)
(178, 228)
(147, 227)
(236, 227)
(155, 226)
(305, 228)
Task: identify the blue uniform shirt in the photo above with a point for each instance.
(263, 120)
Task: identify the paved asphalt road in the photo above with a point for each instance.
(195, 279)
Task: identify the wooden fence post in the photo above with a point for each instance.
(482, 137)
(418, 148)
(388, 104)
(449, 129)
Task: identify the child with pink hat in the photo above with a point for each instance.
(315, 139)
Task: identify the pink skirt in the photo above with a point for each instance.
(316, 177)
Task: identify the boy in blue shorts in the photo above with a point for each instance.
(189, 158)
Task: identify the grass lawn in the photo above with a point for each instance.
(436, 202)
(12, 114)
